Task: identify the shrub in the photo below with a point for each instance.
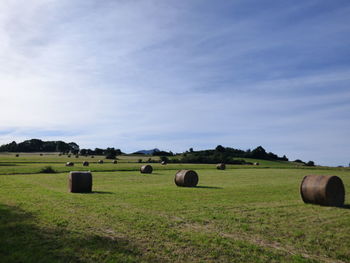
(310, 163)
(47, 170)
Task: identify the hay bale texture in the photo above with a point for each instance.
(85, 163)
(80, 182)
(69, 164)
(146, 169)
(186, 178)
(221, 166)
(322, 190)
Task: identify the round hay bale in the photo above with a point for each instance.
(163, 163)
(92, 156)
(322, 190)
(187, 178)
(221, 166)
(77, 156)
(146, 169)
(68, 155)
(114, 162)
(69, 164)
(17, 155)
(59, 154)
(41, 154)
(85, 163)
(100, 161)
(80, 182)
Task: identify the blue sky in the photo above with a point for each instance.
(179, 74)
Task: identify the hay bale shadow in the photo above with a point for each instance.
(208, 187)
(102, 192)
(347, 206)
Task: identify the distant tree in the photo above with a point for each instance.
(259, 153)
(164, 159)
(310, 163)
(191, 150)
(73, 146)
(284, 158)
(162, 153)
(111, 153)
(220, 148)
(98, 151)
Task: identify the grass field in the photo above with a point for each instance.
(242, 214)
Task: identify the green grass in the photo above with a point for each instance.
(236, 215)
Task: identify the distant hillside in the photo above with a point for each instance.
(150, 152)
(36, 145)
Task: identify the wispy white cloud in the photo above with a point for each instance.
(138, 74)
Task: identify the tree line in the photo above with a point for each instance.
(217, 155)
(36, 145)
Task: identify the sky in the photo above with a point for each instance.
(178, 74)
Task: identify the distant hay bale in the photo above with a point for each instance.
(85, 163)
(114, 161)
(186, 178)
(41, 154)
(322, 190)
(256, 163)
(69, 164)
(163, 163)
(80, 182)
(100, 161)
(59, 154)
(68, 155)
(146, 169)
(77, 156)
(92, 156)
(221, 166)
(17, 155)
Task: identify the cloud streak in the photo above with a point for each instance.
(138, 74)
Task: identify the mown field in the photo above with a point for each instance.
(242, 214)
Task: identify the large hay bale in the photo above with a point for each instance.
(85, 163)
(69, 164)
(100, 161)
(221, 166)
(146, 169)
(322, 190)
(187, 178)
(114, 161)
(80, 182)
